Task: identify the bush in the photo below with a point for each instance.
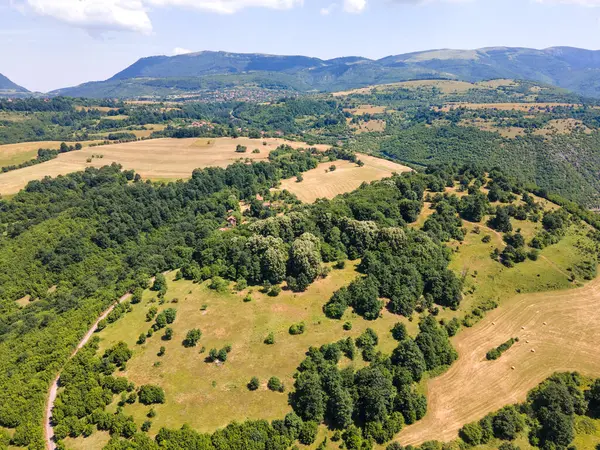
(150, 394)
(146, 426)
(168, 334)
(218, 284)
(254, 384)
(162, 351)
(274, 291)
(275, 384)
(297, 329)
(141, 339)
(222, 355)
(192, 337)
(347, 326)
(486, 239)
(270, 339)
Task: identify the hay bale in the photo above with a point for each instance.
(513, 367)
(532, 350)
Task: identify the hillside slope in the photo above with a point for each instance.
(7, 86)
(571, 68)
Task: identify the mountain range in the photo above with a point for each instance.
(8, 87)
(574, 69)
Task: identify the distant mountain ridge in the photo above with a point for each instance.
(7, 86)
(571, 68)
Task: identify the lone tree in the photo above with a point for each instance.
(192, 337)
(254, 384)
(150, 394)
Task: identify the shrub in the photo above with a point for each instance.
(162, 351)
(192, 337)
(150, 394)
(270, 339)
(297, 329)
(222, 355)
(275, 384)
(486, 239)
(341, 264)
(218, 284)
(274, 291)
(254, 384)
(347, 326)
(168, 334)
(141, 339)
(146, 426)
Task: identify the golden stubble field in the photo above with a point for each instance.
(558, 331)
(321, 183)
(158, 159)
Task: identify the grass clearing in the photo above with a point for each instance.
(164, 159)
(321, 183)
(192, 397)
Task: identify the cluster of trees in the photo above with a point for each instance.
(549, 413)
(496, 353)
(375, 402)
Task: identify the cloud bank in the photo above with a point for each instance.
(98, 16)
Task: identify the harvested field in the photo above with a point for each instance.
(560, 327)
(164, 159)
(18, 153)
(347, 177)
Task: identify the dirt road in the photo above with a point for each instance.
(52, 393)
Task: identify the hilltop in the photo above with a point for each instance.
(571, 68)
(8, 87)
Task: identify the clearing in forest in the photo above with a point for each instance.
(347, 176)
(159, 159)
(211, 395)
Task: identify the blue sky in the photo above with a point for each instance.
(47, 44)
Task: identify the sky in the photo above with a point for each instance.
(49, 44)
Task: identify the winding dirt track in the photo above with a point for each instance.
(558, 331)
(53, 391)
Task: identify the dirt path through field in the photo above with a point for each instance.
(53, 392)
(558, 331)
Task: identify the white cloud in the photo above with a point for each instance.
(328, 10)
(131, 15)
(181, 51)
(94, 15)
(227, 6)
(355, 6)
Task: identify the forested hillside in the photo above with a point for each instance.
(570, 68)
